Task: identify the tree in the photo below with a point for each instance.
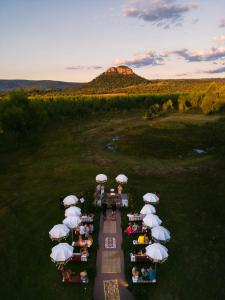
(182, 107)
(210, 99)
(168, 106)
(19, 115)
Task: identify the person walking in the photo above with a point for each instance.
(113, 208)
(104, 208)
(82, 200)
(61, 202)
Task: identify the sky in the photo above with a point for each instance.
(76, 40)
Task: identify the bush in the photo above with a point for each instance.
(168, 106)
(154, 111)
(19, 115)
(182, 105)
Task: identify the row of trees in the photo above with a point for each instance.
(213, 101)
(22, 115)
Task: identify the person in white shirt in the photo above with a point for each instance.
(82, 200)
(82, 230)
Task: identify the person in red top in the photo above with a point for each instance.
(129, 229)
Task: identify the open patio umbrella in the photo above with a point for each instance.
(148, 209)
(151, 220)
(72, 222)
(157, 252)
(151, 198)
(122, 179)
(72, 211)
(59, 232)
(61, 253)
(70, 200)
(101, 178)
(160, 234)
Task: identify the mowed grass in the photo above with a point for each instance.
(65, 161)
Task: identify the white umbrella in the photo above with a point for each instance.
(59, 232)
(70, 200)
(151, 198)
(151, 220)
(157, 252)
(72, 221)
(147, 209)
(101, 178)
(160, 234)
(72, 211)
(121, 179)
(61, 253)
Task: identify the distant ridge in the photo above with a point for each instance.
(41, 85)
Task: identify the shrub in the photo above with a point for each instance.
(19, 115)
(168, 106)
(154, 111)
(182, 106)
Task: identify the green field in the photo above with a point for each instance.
(155, 155)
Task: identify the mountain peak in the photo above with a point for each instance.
(124, 70)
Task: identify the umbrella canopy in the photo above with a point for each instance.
(101, 178)
(61, 253)
(59, 232)
(72, 211)
(121, 179)
(157, 252)
(147, 209)
(160, 234)
(151, 220)
(151, 198)
(72, 221)
(70, 200)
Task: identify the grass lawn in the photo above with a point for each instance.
(66, 159)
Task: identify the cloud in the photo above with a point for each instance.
(148, 59)
(83, 68)
(197, 56)
(162, 13)
(222, 23)
(216, 71)
(182, 74)
(220, 38)
(195, 21)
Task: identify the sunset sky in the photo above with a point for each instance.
(76, 40)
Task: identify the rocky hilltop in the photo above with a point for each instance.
(124, 70)
(113, 78)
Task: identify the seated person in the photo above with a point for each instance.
(151, 274)
(135, 274)
(84, 251)
(82, 230)
(83, 276)
(129, 229)
(144, 274)
(86, 230)
(82, 242)
(135, 227)
(141, 239)
(67, 275)
(89, 240)
(91, 228)
(146, 239)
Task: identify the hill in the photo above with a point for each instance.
(113, 78)
(43, 85)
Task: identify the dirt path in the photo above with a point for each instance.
(110, 282)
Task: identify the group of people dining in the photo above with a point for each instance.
(143, 274)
